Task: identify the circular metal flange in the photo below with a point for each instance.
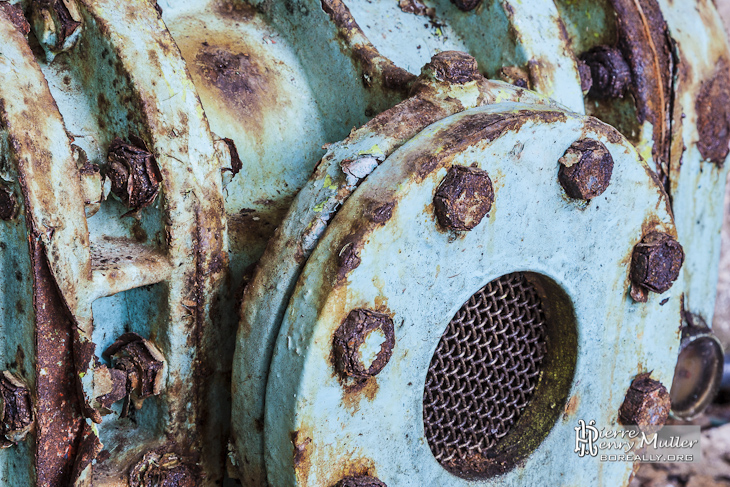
(320, 427)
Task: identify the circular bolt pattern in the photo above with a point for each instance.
(585, 169)
(361, 481)
(610, 74)
(453, 67)
(656, 262)
(7, 204)
(463, 198)
(646, 404)
(351, 336)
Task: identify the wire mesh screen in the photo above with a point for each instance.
(484, 371)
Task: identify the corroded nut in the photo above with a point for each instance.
(585, 169)
(16, 410)
(463, 198)
(466, 5)
(656, 262)
(360, 481)
(355, 343)
(157, 469)
(646, 404)
(452, 66)
(143, 369)
(610, 74)
(133, 172)
(8, 205)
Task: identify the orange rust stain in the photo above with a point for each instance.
(303, 450)
(571, 407)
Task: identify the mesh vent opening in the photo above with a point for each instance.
(484, 374)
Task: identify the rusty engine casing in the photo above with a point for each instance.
(350, 243)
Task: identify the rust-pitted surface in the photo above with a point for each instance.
(63, 18)
(375, 68)
(158, 469)
(585, 169)
(646, 405)
(647, 47)
(59, 421)
(351, 336)
(134, 174)
(656, 262)
(713, 115)
(16, 409)
(361, 481)
(15, 14)
(463, 198)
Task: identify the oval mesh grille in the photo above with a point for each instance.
(484, 371)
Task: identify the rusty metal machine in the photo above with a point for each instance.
(352, 242)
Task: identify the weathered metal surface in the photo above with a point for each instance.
(646, 404)
(407, 261)
(100, 238)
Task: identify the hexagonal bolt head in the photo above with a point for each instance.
(453, 67)
(8, 205)
(360, 481)
(16, 410)
(656, 262)
(135, 177)
(138, 373)
(463, 198)
(646, 404)
(353, 345)
(610, 74)
(585, 169)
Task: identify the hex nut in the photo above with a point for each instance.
(585, 169)
(656, 262)
(135, 177)
(8, 205)
(463, 198)
(360, 481)
(351, 335)
(610, 73)
(453, 67)
(646, 405)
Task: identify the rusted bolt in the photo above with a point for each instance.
(16, 410)
(585, 169)
(453, 67)
(360, 481)
(463, 198)
(656, 262)
(646, 404)
(135, 177)
(137, 373)
(8, 206)
(363, 344)
(466, 5)
(158, 469)
(610, 74)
